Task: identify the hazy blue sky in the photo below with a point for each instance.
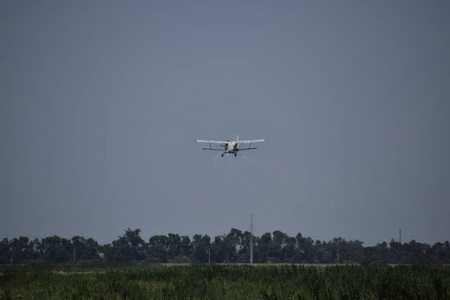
(100, 103)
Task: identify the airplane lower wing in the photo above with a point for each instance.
(212, 142)
(213, 149)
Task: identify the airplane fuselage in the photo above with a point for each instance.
(231, 147)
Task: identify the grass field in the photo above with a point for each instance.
(231, 282)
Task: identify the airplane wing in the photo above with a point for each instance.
(251, 141)
(211, 142)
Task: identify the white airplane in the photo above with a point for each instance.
(231, 147)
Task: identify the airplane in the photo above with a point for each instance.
(231, 147)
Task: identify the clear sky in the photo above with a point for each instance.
(100, 103)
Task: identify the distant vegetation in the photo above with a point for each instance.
(212, 281)
(233, 247)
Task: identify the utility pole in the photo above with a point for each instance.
(400, 236)
(73, 253)
(251, 239)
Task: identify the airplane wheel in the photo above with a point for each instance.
(235, 154)
(222, 155)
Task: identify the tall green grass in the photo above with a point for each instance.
(232, 282)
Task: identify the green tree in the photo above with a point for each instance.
(244, 250)
(159, 248)
(219, 250)
(416, 252)
(201, 248)
(128, 247)
(323, 252)
(185, 246)
(21, 249)
(85, 249)
(289, 250)
(233, 244)
(174, 247)
(55, 249)
(376, 255)
(353, 251)
(440, 253)
(5, 252)
(262, 248)
(305, 249)
(277, 245)
(396, 253)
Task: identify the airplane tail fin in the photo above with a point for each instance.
(237, 138)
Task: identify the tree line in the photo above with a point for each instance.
(234, 247)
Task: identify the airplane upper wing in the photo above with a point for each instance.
(251, 141)
(212, 142)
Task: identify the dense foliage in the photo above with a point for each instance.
(233, 247)
(233, 282)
